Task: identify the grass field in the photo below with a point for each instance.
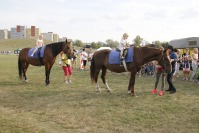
(77, 108)
(34, 107)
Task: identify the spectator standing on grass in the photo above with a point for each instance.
(185, 57)
(159, 72)
(90, 56)
(177, 65)
(186, 68)
(194, 58)
(84, 58)
(173, 59)
(66, 66)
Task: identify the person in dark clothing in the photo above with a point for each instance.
(173, 59)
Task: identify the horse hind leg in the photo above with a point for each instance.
(24, 69)
(103, 75)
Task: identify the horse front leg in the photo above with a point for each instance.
(131, 84)
(48, 68)
(47, 75)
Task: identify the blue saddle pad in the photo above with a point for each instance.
(36, 53)
(114, 56)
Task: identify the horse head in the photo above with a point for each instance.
(164, 61)
(67, 48)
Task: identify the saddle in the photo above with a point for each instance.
(39, 54)
(114, 56)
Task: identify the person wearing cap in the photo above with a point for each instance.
(173, 59)
(123, 45)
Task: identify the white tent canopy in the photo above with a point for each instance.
(191, 42)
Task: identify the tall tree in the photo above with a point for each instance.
(138, 40)
(111, 43)
(165, 44)
(94, 45)
(157, 43)
(78, 43)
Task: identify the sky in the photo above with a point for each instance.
(99, 20)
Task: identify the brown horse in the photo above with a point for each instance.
(141, 56)
(50, 53)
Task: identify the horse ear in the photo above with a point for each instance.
(66, 40)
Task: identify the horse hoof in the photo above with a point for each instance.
(128, 92)
(25, 81)
(98, 90)
(108, 91)
(134, 95)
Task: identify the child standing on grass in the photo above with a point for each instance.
(186, 68)
(159, 72)
(66, 66)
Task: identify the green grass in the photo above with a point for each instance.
(59, 107)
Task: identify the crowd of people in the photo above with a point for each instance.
(187, 62)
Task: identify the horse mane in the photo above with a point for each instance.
(55, 47)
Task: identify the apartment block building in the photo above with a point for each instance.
(48, 36)
(55, 37)
(4, 34)
(33, 32)
(18, 32)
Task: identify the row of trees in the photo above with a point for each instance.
(138, 41)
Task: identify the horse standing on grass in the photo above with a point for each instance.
(48, 58)
(140, 56)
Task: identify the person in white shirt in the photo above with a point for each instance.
(123, 45)
(84, 57)
(39, 44)
(194, 57)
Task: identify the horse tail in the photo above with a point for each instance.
(92, 70)
(19, 68)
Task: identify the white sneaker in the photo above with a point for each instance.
(66, 82)
(69, 81)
